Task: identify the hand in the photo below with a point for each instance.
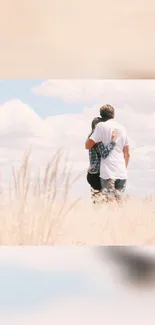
(114, 135)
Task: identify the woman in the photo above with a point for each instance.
(95, 154)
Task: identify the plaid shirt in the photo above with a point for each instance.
(95, 154)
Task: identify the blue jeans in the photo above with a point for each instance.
(113, 189)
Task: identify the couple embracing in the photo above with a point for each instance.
(109, 155)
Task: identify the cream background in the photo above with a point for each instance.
(77, 39)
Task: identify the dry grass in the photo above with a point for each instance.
(34, 211)
(36, 214)
(131, 224)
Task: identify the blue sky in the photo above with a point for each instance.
(28, 288)
(24, 288)
(43, 105)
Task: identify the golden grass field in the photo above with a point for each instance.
(35, 213)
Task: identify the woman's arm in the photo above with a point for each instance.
(103, 150)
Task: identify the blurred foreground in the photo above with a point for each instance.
(46, 285)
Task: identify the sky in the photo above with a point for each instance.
(44, 106)
(39, 282)
(48, 114)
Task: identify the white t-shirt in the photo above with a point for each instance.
(114, 165)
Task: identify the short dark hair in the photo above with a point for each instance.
(107, 112)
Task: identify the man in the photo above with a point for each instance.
(113, 169)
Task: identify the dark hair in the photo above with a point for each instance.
(107, 112)
(95, 121)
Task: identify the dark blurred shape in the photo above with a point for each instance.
(137, 268)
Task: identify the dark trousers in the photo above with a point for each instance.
(110, 184)
(113, 189)
(94, 181)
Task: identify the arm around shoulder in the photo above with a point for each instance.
(89, 144)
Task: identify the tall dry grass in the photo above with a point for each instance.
(37, 213)
(34, 210)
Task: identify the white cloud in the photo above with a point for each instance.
(19, 120)
(139, 94)
(21, 128)
(73, 90)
